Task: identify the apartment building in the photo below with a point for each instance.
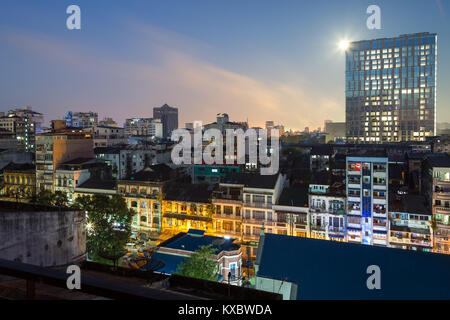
(260, 193)
(436, 189)
(81, 119)
(144, 127)
(227, 200)
(143, 192)
(409, 222)
(25, 124)
(367, 200)
(106, 136)
(57, 147)
(327, 203)
(8, 140)
(390, 87)
(292, 212)
(126, 160)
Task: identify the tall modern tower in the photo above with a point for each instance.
(390, 89)
(169, 118)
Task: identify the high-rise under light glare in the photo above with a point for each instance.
(390, 88)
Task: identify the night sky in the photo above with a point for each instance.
(255, 59)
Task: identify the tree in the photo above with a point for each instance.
(210, 209)
(108, 225)
(57, 198)
(201, 264)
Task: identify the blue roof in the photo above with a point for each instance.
(194, 239)
(334, 270)
(169, 264)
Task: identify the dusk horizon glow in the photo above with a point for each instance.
(279, 62)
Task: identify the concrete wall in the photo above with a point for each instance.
(15, 156)
(286, 288)
(42, 238)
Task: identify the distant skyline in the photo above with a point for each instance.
(255, 60)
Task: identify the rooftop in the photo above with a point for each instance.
(176, 191)
(439, 162)
(22, 167)
(294, 196)
(156, 173)
(251, 180)
(194, 239)
(333, 270)
(322, 149)
(409, 203)
(77, 161)
(99, 184)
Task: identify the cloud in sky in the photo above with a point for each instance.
(170, 68)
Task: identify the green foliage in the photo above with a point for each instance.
(201, 264)
(105, 238)
(57, 198)
(210, 209)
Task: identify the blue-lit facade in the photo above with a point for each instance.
(367, 200)
(390, 87)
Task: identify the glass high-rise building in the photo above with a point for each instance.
(390, 88)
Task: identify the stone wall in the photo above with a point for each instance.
(43, 238)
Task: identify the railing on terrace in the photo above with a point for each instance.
(258, 205)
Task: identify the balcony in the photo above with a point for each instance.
(230, 217)
(380, 214)
(333, 229)
(250, 237)
(259, 222)
(258, 205)
(229, 233)
(441, 209)
(300, 226)
(237, 202)
(318, 228)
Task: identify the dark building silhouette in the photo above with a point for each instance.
(169, 118)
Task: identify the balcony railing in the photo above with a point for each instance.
(258, 205)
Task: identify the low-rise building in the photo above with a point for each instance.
(186, 206)
(19, 182)
(95, 186)
(73, 173)
(175, 250)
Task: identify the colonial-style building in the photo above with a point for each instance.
(143, 193)
(19, 182)
(175, 250)
(186, 206)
